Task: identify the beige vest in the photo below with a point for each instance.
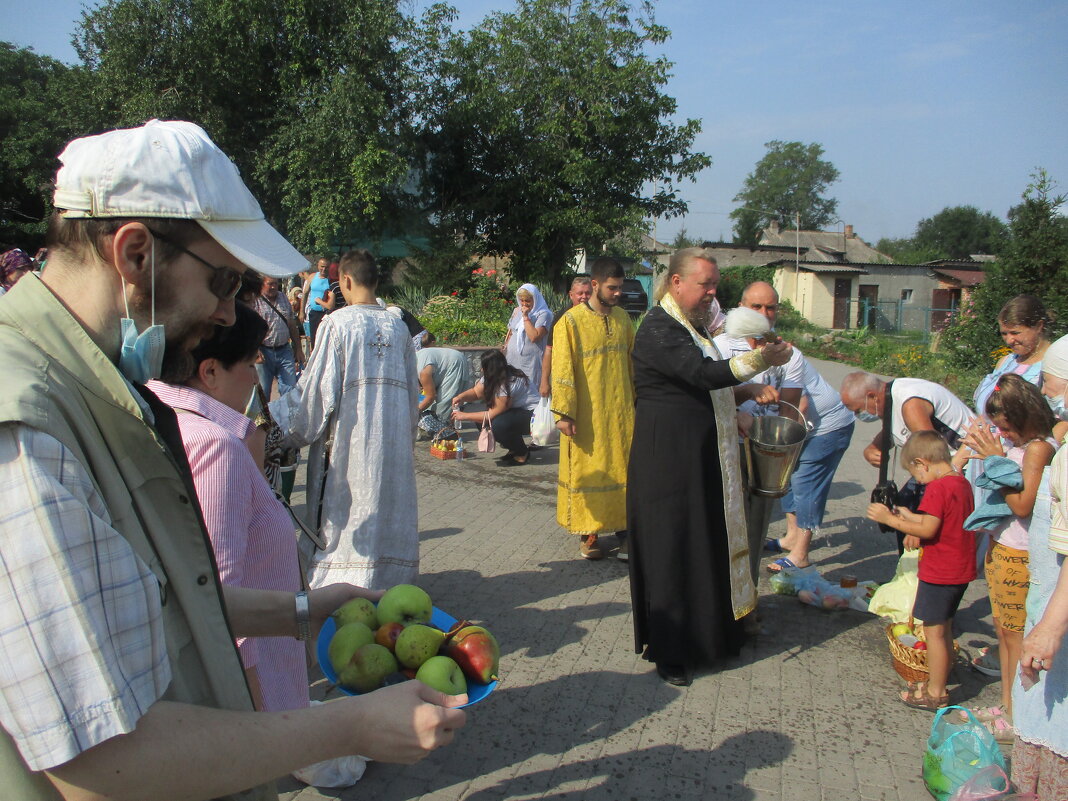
(56, 379)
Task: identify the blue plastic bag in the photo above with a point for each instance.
(957, 751)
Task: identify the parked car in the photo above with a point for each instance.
(634, 300)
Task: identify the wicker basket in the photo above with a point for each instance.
(438, 453)
(909, 663)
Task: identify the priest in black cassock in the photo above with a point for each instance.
(689, 557)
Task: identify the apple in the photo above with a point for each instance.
(443, 674)
(417, 643)
(920, 646)
(358, 610)
(475, 650)
(899, 629)
(368, 667)
(345, 642)
(387, 635)
(405, 604)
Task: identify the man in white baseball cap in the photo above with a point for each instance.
(120, 677)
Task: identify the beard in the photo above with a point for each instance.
(609, 302)
(181, 337)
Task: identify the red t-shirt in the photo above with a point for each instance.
(949, 558)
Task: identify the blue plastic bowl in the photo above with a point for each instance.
(443, 620)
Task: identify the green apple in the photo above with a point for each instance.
(899, 629)
(358, 610)
(368, 667)
(443, 674)
(417, 643)
(345, 642)
(405, 604)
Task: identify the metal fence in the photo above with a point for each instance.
(898, 316)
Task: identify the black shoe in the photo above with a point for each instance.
(678, 675)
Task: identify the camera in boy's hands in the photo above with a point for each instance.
(885, 493)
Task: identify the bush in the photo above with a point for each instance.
(459, 331)
(734, 279)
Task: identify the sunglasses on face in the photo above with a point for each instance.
(225, 281)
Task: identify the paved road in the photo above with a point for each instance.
(808, 712)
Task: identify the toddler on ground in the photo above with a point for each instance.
(947, 559)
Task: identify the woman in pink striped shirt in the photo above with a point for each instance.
(250, 530)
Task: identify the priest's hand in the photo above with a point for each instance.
(566, 426)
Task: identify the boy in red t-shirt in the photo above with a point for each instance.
(947, 562)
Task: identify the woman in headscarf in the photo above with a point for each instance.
(14, 264)
(1040, 689)
(524, 346)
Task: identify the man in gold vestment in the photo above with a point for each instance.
(593, 395)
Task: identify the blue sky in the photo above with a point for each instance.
(920, 105)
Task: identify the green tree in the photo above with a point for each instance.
(311, 98)
(544, 128)
(956, 232)
(1034, 261)
(905, 251)
(37, 117)
(683, 240)
(791, 178)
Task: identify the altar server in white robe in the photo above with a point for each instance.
(356, 404)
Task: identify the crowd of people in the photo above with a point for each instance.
(144, 444)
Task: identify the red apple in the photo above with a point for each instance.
(387, 635)
(920, 646)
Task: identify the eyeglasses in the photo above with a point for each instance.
(225, 281)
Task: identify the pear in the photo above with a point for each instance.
(475, 650)
(358, 610)
(345, 642)
(417, 643)
(367, 669)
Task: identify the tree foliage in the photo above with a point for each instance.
(791, 178)
(309, 97)
(545, 127)
(37, 117)
(1034, 260)
(957, 232)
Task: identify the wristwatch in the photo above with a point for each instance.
(303, 615)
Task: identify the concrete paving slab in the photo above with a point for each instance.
(807, 712)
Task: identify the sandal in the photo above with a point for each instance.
(919, 699)
(1003, 731)
(985, 715)
(783, 563)
(772, 545)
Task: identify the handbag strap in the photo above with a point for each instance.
(884, 445)
(485, 421)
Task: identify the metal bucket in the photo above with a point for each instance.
(772, 449)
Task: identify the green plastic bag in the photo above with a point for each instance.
(956, 751)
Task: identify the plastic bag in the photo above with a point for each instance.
(340, 772)
(543, 430)
(990, 784)
(956, 752)
(896, 598)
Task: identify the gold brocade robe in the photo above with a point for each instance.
(593, 384)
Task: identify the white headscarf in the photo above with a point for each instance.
(743, 323)
(540, 315)
(1055, 359)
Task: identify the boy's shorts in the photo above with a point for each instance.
(1008, 578)
(937, 603)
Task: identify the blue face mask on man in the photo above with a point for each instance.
(141, 355)
(864, 416)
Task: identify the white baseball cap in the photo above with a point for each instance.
(171, 170)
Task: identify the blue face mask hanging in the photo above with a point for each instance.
(141, 355)
(1056, 406)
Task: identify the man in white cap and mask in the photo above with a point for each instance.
(120, 678)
